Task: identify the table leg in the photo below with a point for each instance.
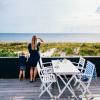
(67, 85)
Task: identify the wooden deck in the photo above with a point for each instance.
(13, 89)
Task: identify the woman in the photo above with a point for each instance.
(33, 49)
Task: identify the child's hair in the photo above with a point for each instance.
(22, 53)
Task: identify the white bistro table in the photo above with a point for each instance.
(65, 67)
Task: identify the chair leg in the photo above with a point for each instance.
(46, 89)
(86, 90)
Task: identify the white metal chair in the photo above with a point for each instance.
(46, 65)
(47, 79)
(84, 79)
(80, 65)
(95, 78)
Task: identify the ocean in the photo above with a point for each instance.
(50, 37)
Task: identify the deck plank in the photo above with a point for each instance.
(13, 89)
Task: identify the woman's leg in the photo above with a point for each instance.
(31, 73)
(35, 72)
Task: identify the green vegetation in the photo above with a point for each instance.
(11, 49)
(84, 49)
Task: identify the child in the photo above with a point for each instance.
(22, 65)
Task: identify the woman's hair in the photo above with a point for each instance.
(33, 42)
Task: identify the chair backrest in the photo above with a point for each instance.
(89, 68)
(81, 64)
(44, 75)
(40, 61)
(47, 65)
(43, 64)
(88, 73)
(38, 68)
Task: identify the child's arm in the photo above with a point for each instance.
(27, 56)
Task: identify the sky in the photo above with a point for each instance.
(50, 16)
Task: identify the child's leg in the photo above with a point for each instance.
(20, 74)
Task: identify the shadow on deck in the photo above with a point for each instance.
(13, 89)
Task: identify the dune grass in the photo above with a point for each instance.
(84, 49)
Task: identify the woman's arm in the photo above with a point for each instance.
(40, 39)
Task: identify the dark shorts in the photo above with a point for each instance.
(22, 67)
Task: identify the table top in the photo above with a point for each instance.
(64, 67)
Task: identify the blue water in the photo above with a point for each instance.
(50, 37)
